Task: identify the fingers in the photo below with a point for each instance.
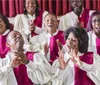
(66, 63)
(59, 44)
(19, 54)
(16, 62)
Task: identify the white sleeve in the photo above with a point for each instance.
(93, 70)
(57, 74)
(5, 68)
(38, 71)
(18, 24)
(63, 23)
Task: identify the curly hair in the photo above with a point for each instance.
(82, 37)
(36, 11)
(6, 21)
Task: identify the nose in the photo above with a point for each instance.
(70, 41)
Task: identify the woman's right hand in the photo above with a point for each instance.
(62, 63)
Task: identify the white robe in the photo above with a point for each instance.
(68, 20)
(38, 41)
(35, 70)
(21, 24)
(92, 42)
(93, 72)
(66, 77)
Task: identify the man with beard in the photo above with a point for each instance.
(78, 16)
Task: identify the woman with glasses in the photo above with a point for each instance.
(94, 32)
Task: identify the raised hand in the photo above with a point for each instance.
(15, 63)
(59, 44)
(23, 58)
(62, 63)
(75, 58)
(46, 48)
(32, 26)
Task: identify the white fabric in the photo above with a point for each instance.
(21, 23)
(92, 42)
(69, 19)
(38, 41)
(36, 70)
(39, 75)
(6, 72)
(66, 77)
(68, 74)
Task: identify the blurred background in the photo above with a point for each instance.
(11, 8)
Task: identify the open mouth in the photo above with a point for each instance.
(50, 25)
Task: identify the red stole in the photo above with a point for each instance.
(21, 72)
(98, 45)
(53, 45)
(38, 21)
(3, 48)
(81, 77)
(84, 18)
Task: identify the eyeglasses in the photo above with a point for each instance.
(96, 20)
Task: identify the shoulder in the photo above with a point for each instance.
(19, 16)
(67, 15)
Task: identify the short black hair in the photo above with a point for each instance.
(6, 21)
(81, 35)
(36, 11)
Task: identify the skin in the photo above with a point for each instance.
(50, 23)
(15, 42)
(72, 49)
(96, 25)
(2, 26)
(76, 6)
(30, 6)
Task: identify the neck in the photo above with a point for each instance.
(31, 13)
(52, 32)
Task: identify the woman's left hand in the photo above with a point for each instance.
(75, 58)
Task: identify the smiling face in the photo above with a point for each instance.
(96, 24)
(71, 42)
(30, 6)
(51, 23)
(15, 41)
(2, 26)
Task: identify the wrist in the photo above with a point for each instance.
(26, 61)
